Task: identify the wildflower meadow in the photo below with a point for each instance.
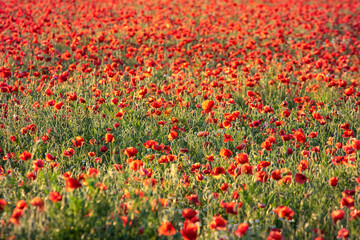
(180, 119)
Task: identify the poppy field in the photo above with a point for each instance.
(179, 119)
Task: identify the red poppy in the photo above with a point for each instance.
(93, 172)
(343, 234)
(218, 223)
(109, 138)
(242, 158)
(275, 234)
(333, 181)
(229, 207)
(16, 215)
(38, 202)
(71, 184)
(78, 142)
(3, 204)
(25, 156)
(21, 204)
(131, 151)
(227, 138)
(241, 229)
(189, 231)
(262, 176)
(49, 157)
(172, 136)
(136, 164)
(225, 153)
(55, 197)
(276, 174)
(38, 164)
(69, 152)
(299, 136)
(300, 179)
(285, 212)
(217, 172)
(208, 105)
(337, 215)
(189, 213)
(166, 229)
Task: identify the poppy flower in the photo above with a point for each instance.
(208, 105)
(38, 164)
(225, 153)
(72, 184)
(136, 164)
(229, 207)
(93, 172)
(172, 136)
(355, 214)
(275, 234)
(109, 138)
(3, 204)
(233, 170)
(286, 180)
(218, 223)
(262, 176)
(21, 204)
(166, 229)
(312, 135)
(303, 165)
(101, 186)
(224, 187)
(285, 212)
(131, 152)
(241, 229)
(300, 179)
(337, 215)
(242, 158)
(104, 149)
(69, 152)
(193, 198)
(333, 181)
(49, 157)
(217, 172)
(189, 231)
(16, 215)
(343, 234)
(299, 136)
(276, 174)
(150, 182)
(347, 201)
(247, 169)
(55, 197)
(38, 202)
(78, 142)
(227, 138)
(189, 213)
(25, 156)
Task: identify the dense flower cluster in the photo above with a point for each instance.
(180, 119)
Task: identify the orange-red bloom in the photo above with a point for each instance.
(55, 197)
(71, 184)
(25, 156)
(285, 212)
(38, 202)
(337, 215)
(131, 151)
(241, 229)
(166, 229)
(189, 231)
(218, 223)
(109, 138)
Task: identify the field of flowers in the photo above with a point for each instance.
(162, 119)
